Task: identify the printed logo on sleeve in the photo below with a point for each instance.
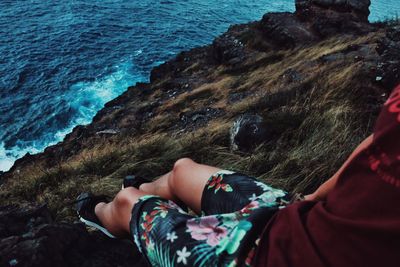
(382, 165)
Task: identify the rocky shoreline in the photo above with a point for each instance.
(312, 22)
(321, 71)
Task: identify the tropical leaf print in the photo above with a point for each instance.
(160, 256)
(204, 255)
(231, 242)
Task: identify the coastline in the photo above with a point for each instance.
(316, 77)
(158, 108)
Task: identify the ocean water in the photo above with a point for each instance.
(61, 61)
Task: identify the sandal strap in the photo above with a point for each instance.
(105, 197)
(134, 181)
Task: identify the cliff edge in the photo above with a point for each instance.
(285, 99)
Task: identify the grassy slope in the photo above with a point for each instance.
(317, 121)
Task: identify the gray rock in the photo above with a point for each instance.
(357, 5)
(247, 132)
(292, 76)
(328, 17)
(346, 5)
(388, 70)
(237, 96)
(285, 30)
(107, 132)
(193, 120)
(226, 49)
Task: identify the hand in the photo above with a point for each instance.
(312, 197)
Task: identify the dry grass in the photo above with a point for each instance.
(317, 121)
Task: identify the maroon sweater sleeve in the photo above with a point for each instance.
(359, 222)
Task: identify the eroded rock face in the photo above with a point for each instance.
(327, 17)
(360, 8)
(285, 30)
(227, 50)
(315, 20)
(29, 237)
(388, 70)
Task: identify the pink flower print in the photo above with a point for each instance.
(215, 179)
(206, 228)
(216, 182)
(249, 207)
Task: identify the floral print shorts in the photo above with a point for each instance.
(235, 210)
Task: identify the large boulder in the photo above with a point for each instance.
(328, 17)
(359, 9)
(227, 49)
(248, 131)
(285, 30)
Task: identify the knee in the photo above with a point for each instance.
(182, 163)
(124, 198)
(179, 168)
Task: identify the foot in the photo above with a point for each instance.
(85, 207)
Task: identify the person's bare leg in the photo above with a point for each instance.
(160, 187)
(185, 182)
(116, 215)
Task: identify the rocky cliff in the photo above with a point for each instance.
(285, 98)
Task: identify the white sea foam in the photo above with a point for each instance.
(8, 156)
(89, 97)
(6, 160)
(86, 98)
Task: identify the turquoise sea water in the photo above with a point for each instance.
(60, 61)
(384, 9)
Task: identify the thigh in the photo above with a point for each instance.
(227, 192)
(167, 236)
(188, 181)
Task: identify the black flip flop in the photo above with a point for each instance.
(85, 205)
(134, 181)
